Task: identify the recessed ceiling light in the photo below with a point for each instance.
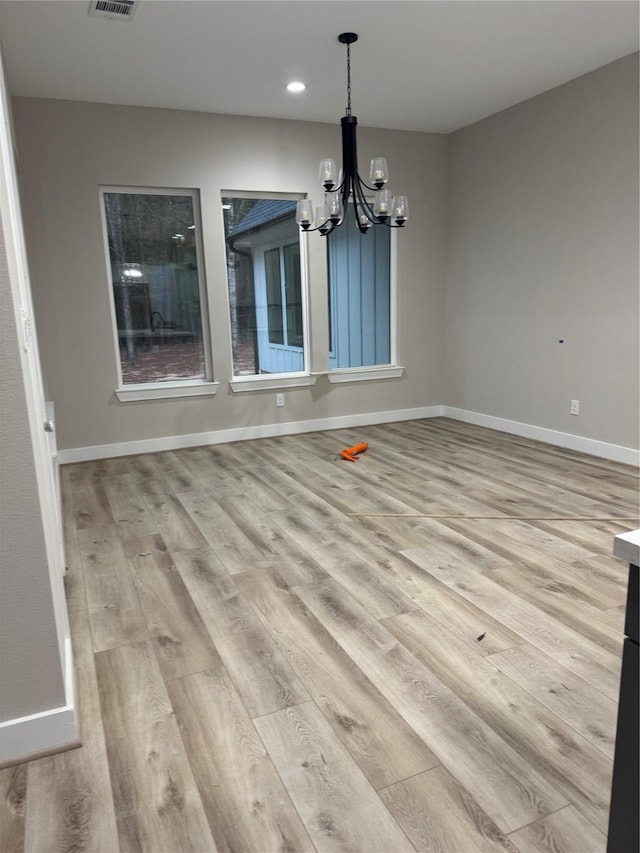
(296, 86)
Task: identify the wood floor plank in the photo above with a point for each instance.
(259, 670)
(73, 579)
(582, 580)
(70, 806)
(439, 816)
(606, 570)
(244, 799)
(254, 522)
(580, 655)
(172, 522)
(448, 545)
(279, 547)
(180, 639)
(557, 752)
(460, 616)
(529, 539)
(214, 472)
(554, 593)
(517, 541)
(383, 745)
(177, 475)
(13, 796)
(527, 549)
(595, 536)
(158, 806)
(90, 501)
(284, 479)
(312, 453)
(565, 831)
(508, 790)
(144, 467)
(114, 608)
(379, 596)
(580, 705)
(244, 459)
(338, 806)
(522, 466)
(128, 507)
(222, 533)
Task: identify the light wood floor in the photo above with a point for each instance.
(280, 651)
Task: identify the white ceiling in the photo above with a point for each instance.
(427, 65)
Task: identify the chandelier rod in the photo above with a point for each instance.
(349, 78)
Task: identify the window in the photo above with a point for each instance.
(265, 281)
(154, 258)
(360, 308)
(274, 296)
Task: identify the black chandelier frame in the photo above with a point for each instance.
(352, 185)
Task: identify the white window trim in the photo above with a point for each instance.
(272, 381)
(166, 390)
(257, 382)
(162, 389)
(364, 374)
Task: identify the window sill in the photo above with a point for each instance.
(166, 390)
(364, 374)
(270, 383)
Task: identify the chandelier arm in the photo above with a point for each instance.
(346, 192)
(360, 203)
(373, 189)
(327, 230)
(368, 209)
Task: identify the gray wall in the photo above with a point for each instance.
(542, 246)
(30, 673)
(68, 149)
(537, 206)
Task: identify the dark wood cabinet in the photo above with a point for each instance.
(623, 819)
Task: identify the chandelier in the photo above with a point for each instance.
(375, 207)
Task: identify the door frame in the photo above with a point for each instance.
(19, 281)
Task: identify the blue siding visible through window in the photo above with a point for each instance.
(359, 296)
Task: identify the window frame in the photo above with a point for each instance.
(271, 381)
(129, 392)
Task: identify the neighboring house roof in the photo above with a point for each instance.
(263, 213)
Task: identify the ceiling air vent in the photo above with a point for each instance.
(122, 9)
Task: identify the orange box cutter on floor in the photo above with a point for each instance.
(351, 453)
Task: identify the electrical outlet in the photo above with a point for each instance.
(279, 399)
(575, 407)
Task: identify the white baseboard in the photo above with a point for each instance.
(40, 734)
(175, 442)
(54, 730)
(616, 452)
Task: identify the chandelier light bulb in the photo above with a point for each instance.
(304, 213)
(323, 223)
(334, 207)
(363, 220)
(378, 173)
(328, 174)
(382, 204)
(400, 207)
